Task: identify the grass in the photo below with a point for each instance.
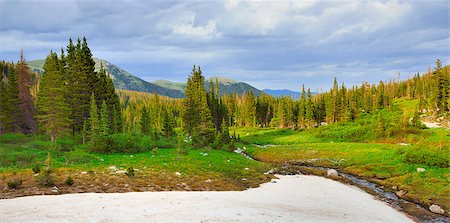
(153, 170)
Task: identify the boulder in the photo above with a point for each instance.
(178, 173)
(332, 173)
(113, 168)
(436, 209)
(420, 170)
(121, 171)
(400, 193)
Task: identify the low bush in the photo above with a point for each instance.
(69, 181)
(36, 168)
(130, 172)
(14, 183)
(426, 156)
(79, 156)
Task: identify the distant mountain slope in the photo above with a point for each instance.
(121, 79)
(284, 92)
(171, 85)
(226, 86)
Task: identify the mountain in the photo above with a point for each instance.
(284, 92)
(171, 85)
(121, 79)
(125, 81)
(226, 86)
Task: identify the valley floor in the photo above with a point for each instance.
(287, 199)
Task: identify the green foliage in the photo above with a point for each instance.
(14, 184)
(53, 110)
(130, 171)
(79, 156)
(424, 155)
(69, 181)
(46, 177)
(36, 168)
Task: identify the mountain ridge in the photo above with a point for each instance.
(123, 80)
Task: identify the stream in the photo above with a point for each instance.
(414, 210)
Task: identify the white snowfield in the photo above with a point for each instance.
(291, 199)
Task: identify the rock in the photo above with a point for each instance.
(244, 179)
(400, 193)
(84, 172)
(54, 189)
(420, 170)
(178, 173)
(113, 168)
(271, 171)
(246, 168)
(436, 209)
(332, 173)
(208, 181)
(121, 171)
(394, 187)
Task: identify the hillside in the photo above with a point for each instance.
(226, 86)
(284, 92)
(121, 79)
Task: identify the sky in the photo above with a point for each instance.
(268, 44)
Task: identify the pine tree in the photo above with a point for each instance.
(13, 114)
(197, 116)
(93, 120)
(145, 121)
(168, 124)
(3, 104)
(53, 111)
(309, 116)
(302, 109)
(104, 120)
(27, 107)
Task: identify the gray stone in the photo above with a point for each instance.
(420, 170)
(332, 173)
(436, 209)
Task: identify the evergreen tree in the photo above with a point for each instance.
(3, 104)
(168, 124)
(53, 111)
(145, 121)
(302, 109)
(26, 102)
(12, 112)
(309, 116)
(104, 120)
(197, 116)
(93, 119)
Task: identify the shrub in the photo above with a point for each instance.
(79, 156)
(14, 183)
(130, 172)
(46, 178)
(43, 145)
(12, 138)
(36, 168)
(426, 156)
(66, 144)
(24, 158)
(69, 181)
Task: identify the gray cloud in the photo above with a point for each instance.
(279, 44)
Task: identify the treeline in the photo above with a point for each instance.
(72, 98)
(65, 93)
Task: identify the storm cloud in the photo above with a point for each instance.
(269, 44)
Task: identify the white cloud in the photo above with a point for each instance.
(207, 31)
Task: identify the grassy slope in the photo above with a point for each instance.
(155, 171)
(355, 148)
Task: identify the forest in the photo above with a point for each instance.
(72, 118)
